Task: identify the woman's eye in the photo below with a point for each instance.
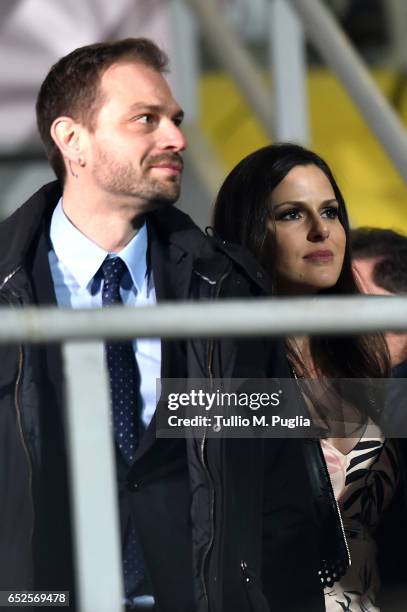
(330, 213)
(289, 215)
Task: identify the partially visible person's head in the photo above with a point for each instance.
(380, 259)
(380, 265)
(107, 107)
(283, 203)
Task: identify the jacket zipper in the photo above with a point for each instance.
(212, 502)
(17, 404)
(328, 477)
(342, 528)
(203, 461)
(8, 277)
(20, 428)
(338, 512)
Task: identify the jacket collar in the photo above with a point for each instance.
(171, 228)
(211, 254)
(246, 262)
(178, 248)
(22, 228)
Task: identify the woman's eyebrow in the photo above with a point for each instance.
(302, 203)
(330, 201)
(288, 203)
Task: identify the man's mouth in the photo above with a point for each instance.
(173, 168)
(173, 164)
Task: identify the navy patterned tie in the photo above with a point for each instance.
(123, 371)
(125, 394)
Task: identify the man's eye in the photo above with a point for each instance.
(330, 213)
(177, 121)
(145, 118)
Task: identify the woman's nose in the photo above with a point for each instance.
(319, 230)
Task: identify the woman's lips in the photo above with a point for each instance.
(319, 257)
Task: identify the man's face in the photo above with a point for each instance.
(136, 145)
(364, 272)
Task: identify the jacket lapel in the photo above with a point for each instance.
(171, 268)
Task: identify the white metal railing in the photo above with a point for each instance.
(268, 317)
(91, 446)
(96, 529)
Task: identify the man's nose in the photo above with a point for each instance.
(171, 137)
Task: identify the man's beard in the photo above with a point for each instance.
(119, 178)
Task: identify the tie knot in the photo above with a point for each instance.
(113, 270)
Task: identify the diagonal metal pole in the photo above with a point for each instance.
(228, 50)
(337, 51)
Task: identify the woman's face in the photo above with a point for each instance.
(310, 240)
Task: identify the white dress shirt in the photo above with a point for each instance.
(75, 260)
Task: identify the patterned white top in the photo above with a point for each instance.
(364, 482)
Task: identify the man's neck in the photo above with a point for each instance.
(109, 224)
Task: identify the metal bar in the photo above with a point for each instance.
(225, 318)
(22, 157)
(186, 62)
(335, 48)
(7, 7)
(396, 17)
(205, 160)
(228, 50)
(201, 154)
(289, 73)
(93, 479)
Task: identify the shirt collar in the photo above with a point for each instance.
(83, 258)
(134, 256)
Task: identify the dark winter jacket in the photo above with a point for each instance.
(252, 514)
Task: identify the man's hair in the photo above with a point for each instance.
(389, 249)
(72, 86)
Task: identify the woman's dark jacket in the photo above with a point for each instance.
(257, 511)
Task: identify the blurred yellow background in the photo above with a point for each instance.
(374, 192)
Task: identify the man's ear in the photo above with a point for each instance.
(70, 138)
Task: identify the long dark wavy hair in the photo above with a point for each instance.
(242, 210)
